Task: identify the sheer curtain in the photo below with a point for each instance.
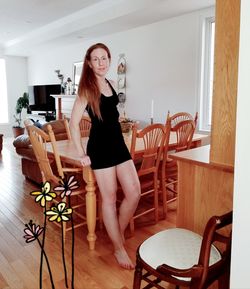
(3, 93)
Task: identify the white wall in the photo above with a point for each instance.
(162, 64)
(241, 236)
(17, 81)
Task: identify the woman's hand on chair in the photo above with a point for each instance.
(85, 160)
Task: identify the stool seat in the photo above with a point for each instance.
(183, 258)
(178, 248)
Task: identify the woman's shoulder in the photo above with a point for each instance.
(113, 83)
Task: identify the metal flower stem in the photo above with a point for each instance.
(47, 261)
(42, 251)
(72, 249)
(63, 257)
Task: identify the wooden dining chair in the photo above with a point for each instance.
(39, 140)
(180, 116)
(152, 137)
(183, 131)
(184, 258)
(85, 126)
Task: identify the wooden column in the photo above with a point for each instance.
(206, 174)
(227, 26)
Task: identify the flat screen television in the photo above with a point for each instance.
(40, 98)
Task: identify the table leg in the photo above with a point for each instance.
(89, 179)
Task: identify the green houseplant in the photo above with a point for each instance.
(22, 102)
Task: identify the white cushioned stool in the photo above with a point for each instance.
(184, 258)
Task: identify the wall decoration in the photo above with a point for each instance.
(121, 79)
(61, 78)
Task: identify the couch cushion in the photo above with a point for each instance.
(26, 152)
(57, 126)
(22, 141)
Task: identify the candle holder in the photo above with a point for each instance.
(151, 120)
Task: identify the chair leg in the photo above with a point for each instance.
(64, 231)
(164, 193)
(224, 280)
(156, 201)
(137, 276)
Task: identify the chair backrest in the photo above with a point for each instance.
(85, 126)
(184, 134)
(166, 142)
(39, 140)
(181, 116)
(203, 273)
(153, 137)
(66, 125)
(183, 125)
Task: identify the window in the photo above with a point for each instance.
(3, 93)
(207, 70)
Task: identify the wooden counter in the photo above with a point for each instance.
(200, 156)
(204, 188)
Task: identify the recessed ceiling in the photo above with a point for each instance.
(26, 25)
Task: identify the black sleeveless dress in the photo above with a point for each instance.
(106, 147)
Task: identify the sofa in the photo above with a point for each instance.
(29, 165)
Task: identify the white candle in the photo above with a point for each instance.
(152, 109)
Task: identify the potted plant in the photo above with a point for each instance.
(126, 124)
(22, 102)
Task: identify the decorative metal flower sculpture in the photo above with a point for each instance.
(45, 195)
(67, 186)
(59, 213)
(32, 231)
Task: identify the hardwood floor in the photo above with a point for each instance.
(19, 261)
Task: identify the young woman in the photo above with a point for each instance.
(107, 152)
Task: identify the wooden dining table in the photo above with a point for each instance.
(68, 154)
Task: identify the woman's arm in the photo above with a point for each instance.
(76, 115)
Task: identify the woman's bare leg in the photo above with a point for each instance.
(107, 183)
(129, 181)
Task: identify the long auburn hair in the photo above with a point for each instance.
(88, 86)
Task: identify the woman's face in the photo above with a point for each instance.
(99, 61)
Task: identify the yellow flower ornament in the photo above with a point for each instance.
(45, 195)
(59, 213)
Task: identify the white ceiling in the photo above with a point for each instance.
(26, 25)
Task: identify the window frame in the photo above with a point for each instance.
(206, 75)
(3, 94)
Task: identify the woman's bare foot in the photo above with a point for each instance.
(123, 259)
